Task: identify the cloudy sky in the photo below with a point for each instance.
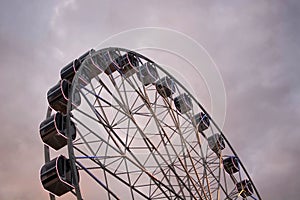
(255, 45)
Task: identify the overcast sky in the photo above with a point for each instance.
(255, 45)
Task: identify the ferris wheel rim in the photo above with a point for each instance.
(73, 86)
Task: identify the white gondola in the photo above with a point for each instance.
(165, 86)
(216, 143)
(183, 103)
(53, 131)
(90, 68)
(107, 60)
(56, 176)
(127, 64)
(201, 120)
(147, 73)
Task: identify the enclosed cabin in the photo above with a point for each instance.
(147, 73)
(108, 60)
(244, 188)
(183, 103)
(216, 143)
(231, 165)
(59, 95)
(165, 86)
(202, 121)
(92, 66)
(69, 71)
(127, 64)
(56, 176)
(53, 131)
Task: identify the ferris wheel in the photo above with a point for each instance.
(137, 133)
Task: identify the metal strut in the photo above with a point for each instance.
(46, 150)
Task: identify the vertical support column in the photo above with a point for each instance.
(46, 150)
(70, 146)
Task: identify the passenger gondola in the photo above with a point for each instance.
(56, 176)
(183, 103)
(53, 131)
(165, 86)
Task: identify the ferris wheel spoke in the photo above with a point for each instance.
(123, 102)
(176, 122)
(126, 147)
(165, 135)
(125, 93)
(145, 136)
(187, 151)
(105, 169)
(97, 180)
(180, 152)
(216, 179)
(108, 103)
(169, 157)
(99, 103)
(108, 128)
(91, 131)
(96, 135)
(150, 145)
(129, 179)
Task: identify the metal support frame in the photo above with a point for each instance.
(47, 151)
(125, 109)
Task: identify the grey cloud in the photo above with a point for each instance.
(254, 43)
